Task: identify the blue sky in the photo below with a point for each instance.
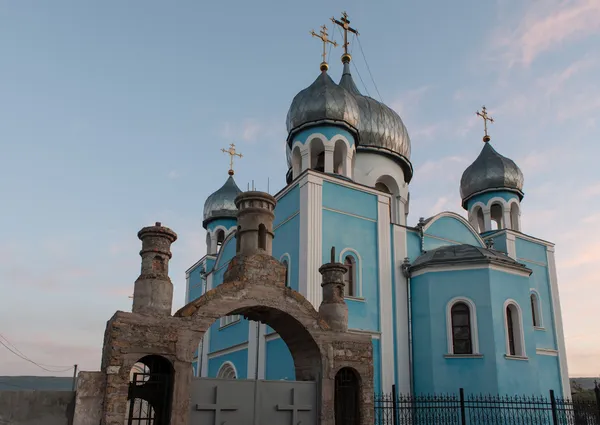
(113, 115)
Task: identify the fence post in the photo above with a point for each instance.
(553, 404)
(394, 405)
(463, 415)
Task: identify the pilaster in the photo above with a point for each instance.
(558, 324)
(386, 324)
(403, 366)
(205, 342)
(311, 238)
(329, 159)
(511, 248)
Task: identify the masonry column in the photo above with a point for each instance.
(153, 290)
(333, 308)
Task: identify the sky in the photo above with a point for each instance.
(113, 114)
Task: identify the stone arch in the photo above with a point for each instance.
(340, 157)
(283, 309)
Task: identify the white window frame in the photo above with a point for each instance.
(538, 309)
(520, 351)
(225, 371)
(473, 325)
(358, 273)
(229, 320)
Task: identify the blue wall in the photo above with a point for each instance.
(279, 362)
(530, 250)
(348, 200)
(326, 130)
(225, 222)
(238, 358)
(376, 366)
(453, 229)
(287, 232)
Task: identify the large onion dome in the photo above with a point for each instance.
(490, 171)
(380, 128)
(322, 102)
(221, 203)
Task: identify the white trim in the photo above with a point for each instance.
(403, 369)
(359, 266)
(373, 334)
(386, 321)
(252, 346)
(287, 257)
(262, 352)
(349, 214)
(187, 287)
(286, 220)
(272, 336)
(522, 353)
(304, 148)
(511, 247)
(546, 352)
(538, 308)
(457, 217)
(311, 238)
(558, 323)
(206, 338)
(473, 325)
(227, 365)
(227, 321)
(228, 350)
(352, 185)
(285, 191)
(527, 260)
(448, 268)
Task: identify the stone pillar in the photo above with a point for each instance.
(328, 166)
(153, 291)
(506, 218)
(487, 220)
(255, 223)
(333, 308)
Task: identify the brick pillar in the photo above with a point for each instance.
(153, 291)
(255, 223)
(333, 308)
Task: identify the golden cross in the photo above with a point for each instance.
(324, 37)
(484, 115)
(231, 151)
(345, 24)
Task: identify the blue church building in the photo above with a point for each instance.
(449, 302)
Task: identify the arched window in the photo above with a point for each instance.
(296, 162)
(461, 326)
(496, 216)
(461, 329)
(514, 217)
(340, 157)
(317, 154)
(227, 371)
(287, 269)
(350, 276)
(262, 236)
(382, 187)
(536, 310)
(515, 342)
(220, 238)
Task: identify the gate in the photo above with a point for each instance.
(250, 402)
(347, 397)
(149, 393)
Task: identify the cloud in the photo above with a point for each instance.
(409, 100)
(449, 167)
(173, 174)
(555, 82)
(546, 25)
(248, 130)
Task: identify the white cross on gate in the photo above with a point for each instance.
(216, 407)
(294, 408)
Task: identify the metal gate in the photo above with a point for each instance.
(250, 402)
(347, 398)
(149, 398)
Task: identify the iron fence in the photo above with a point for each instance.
(476, 409)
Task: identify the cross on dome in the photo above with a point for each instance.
(484, 115)
(345, 24)
(324, 37)
(232, 152)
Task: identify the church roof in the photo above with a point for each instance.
(490, 171)
(464, 254)
(380, 128)
(322, 102)
(221, 204)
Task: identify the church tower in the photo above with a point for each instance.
(491, 188)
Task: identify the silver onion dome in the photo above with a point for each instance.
(322, 102)
(380, 128)
(490, 171)
(221, 203)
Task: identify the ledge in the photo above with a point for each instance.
(235, 322)
(359, 299)
(463, 356)
(508, 357)
(539, 328)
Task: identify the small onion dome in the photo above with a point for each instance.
(380, 128)
(490, 171)
(464, 255)
(322, 102)
(221, 204)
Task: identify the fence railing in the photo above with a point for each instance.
(476, 409)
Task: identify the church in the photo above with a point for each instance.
(448, 302)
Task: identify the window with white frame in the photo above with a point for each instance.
(461, 327)
(536, 309)
(227, 371)
(350, 276)
(515, 341)
(228, 320)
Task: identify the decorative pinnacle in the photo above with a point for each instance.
(231, 151)
(344, 22)
(484, 115)
(324, 37)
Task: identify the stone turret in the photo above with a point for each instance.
(333, 308)
(153, 291)
(254, 223)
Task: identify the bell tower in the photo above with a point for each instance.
(255, 223)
